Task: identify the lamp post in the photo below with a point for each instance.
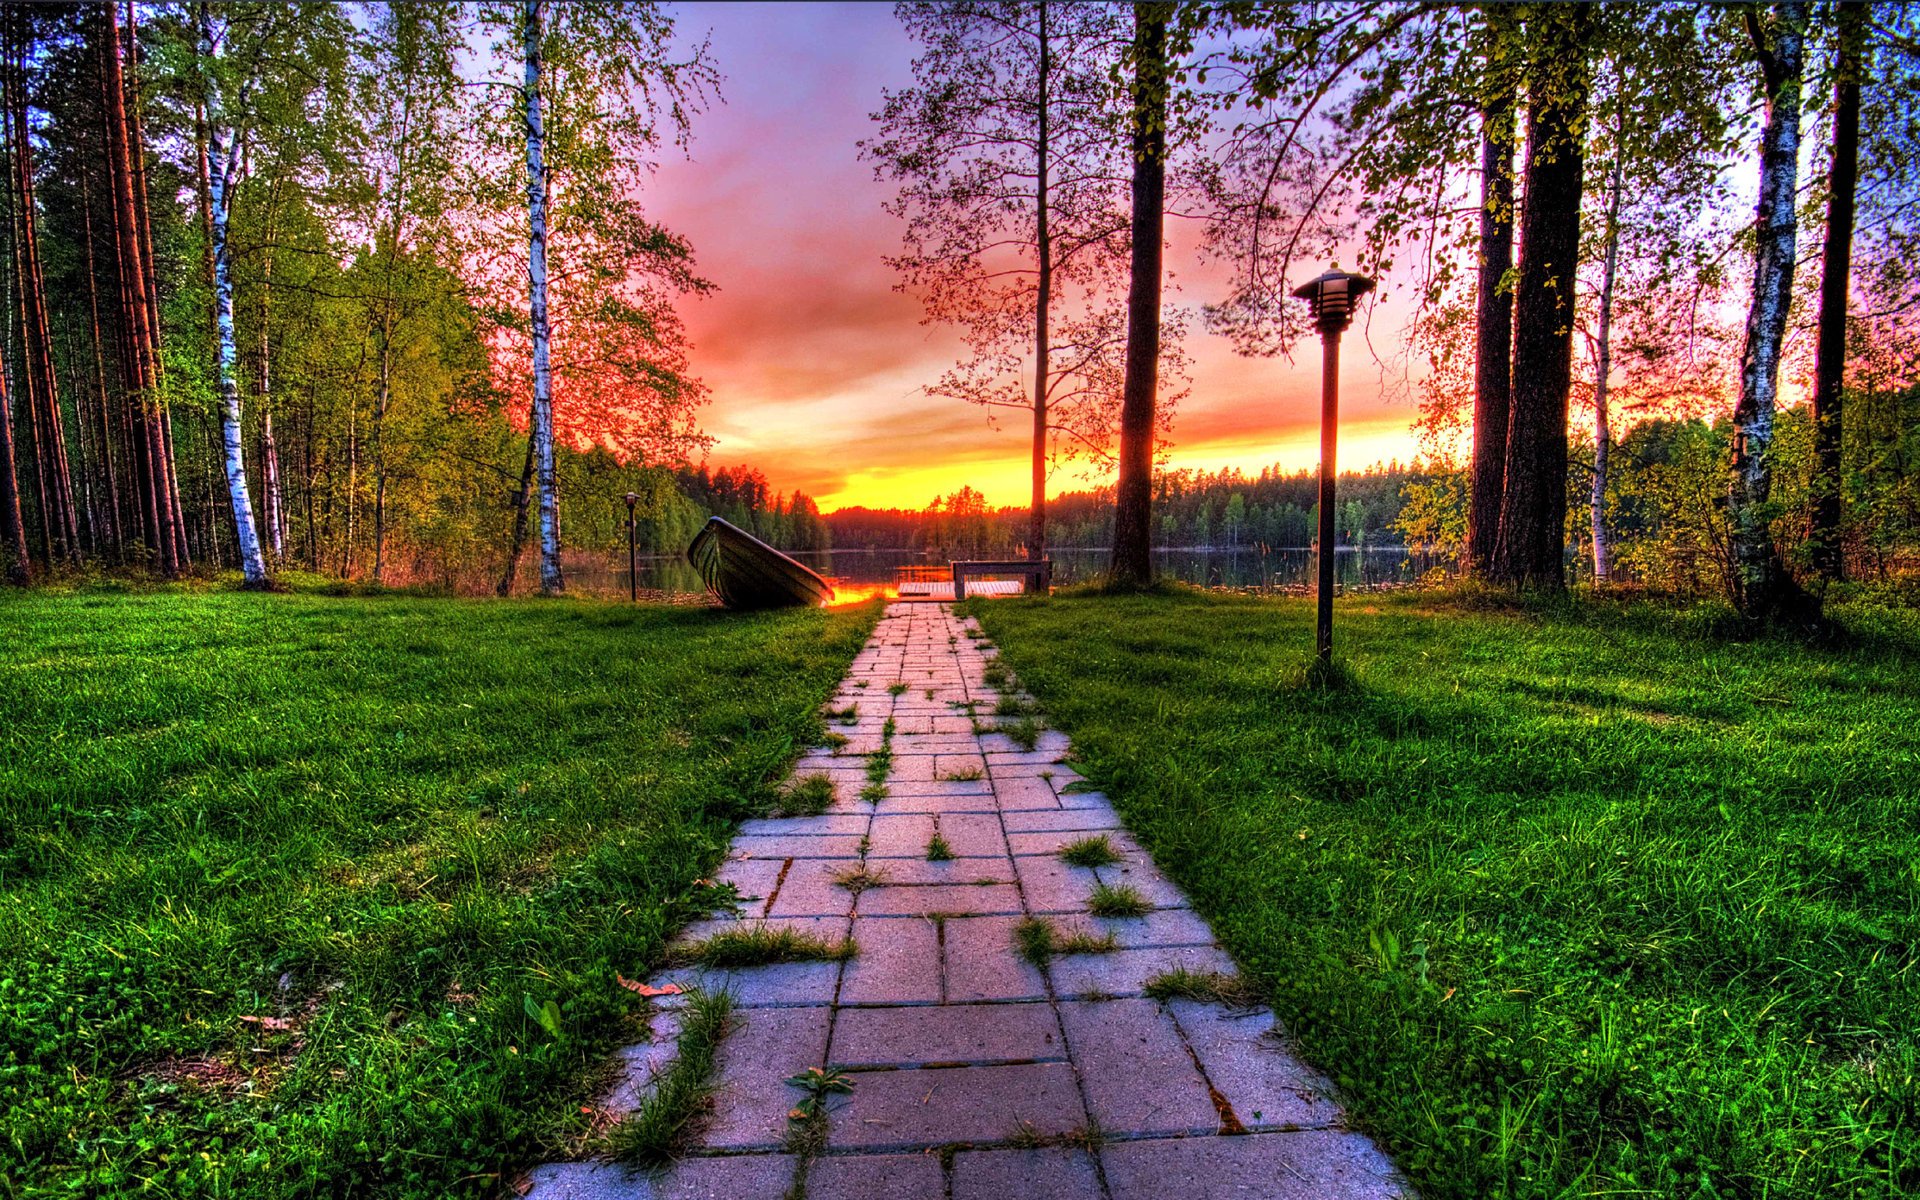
(1333, 297)
(633, 586)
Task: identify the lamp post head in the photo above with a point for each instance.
(1334, 296)
(632, 499)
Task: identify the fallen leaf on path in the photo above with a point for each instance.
(647, 989)
(270, 1023)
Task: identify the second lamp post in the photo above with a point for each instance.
(1333, 297)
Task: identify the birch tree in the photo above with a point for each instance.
(1009, 154)
(598, 354)
(1761, 587)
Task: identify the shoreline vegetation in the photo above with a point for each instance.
(1597, 895)
(310, 894)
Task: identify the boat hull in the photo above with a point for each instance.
(744, 572)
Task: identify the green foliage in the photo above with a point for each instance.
(1092, 851)
(818, 1084)
(659, 1132)
(938, 850)
(1570, 899)
(808, 797)
(1038, 940)
(759, 946)
(418, 839)
(1208, 987)
(1122, 901)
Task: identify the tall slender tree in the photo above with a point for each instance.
(551, 580)
(1008, 150)
(1493, 341)
(1132, 562)
(1530, 548)
(1761, 586)
(1830, 351)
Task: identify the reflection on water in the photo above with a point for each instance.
(1245, 568)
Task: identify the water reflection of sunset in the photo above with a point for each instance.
(848, 594)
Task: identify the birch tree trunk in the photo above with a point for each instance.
(521, 497)
(223, 161)
(1830, 352)
(551, 582)
(1132, 564)
(1493, 341)
(1603, 366)
(1761, 587)
(1042, 344)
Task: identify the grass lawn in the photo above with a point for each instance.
(1571, 900)
(287, 882)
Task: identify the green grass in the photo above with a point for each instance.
(1122, 901)
(758, 946)
(415, 839)
(1037, 939)
(1091, 851)
(1208, 987)
(665, 1124)
(808, 797)
(938, 850)
(1571, 899)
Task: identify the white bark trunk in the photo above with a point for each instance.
(224, 161)
(1759, 582)
(1603, 371)
(551, 582)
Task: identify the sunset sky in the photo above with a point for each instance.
(817, 363)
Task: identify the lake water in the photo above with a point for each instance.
(1243, 569)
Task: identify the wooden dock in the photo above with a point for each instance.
(942, 589)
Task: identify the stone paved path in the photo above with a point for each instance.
(977, 1075)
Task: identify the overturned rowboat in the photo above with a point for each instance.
(745, 572)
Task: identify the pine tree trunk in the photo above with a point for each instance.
(1493, 339)
(1603, 369)
(1830, 350)
(380, 453)
(172, 517)
(275, 516)
(13, 529)
(1530, 550)
(1132, 564)
(36, 335)
(551, 581)
(1761, 587)
(222, 164)
(111, 531)
(1042, 343)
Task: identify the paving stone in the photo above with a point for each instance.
(1248, 1064)
(937, 1106)
(809, 890)
(1125, 972)
(831, 845)
(1025, 794)
(1162, 927)
(1050, 1174)
(752, 880)
(956, 871)
(929, 786)
(962, 798)
(876, 1177)
(1089, 817)
(1023, 758)
(775, 985)
(1143, 877)
(974, 835)
(956, 898)
(751, 1099)
(1312, 1165)
(1096, 801)
(983, 964)
(903, 835)
(742, 1177)
(1052, 841)
(898, 963)
(946, 1034)
(951, 766)
(1138, 1076)
(808, 826)
(829, 929)
(638, 1065)
(1052, 886)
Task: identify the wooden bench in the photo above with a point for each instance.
(1039, 573)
